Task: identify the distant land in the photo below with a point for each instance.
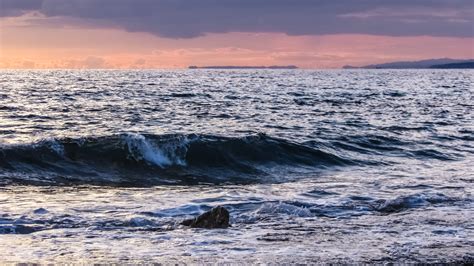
(469, 64)
(442, 63)
(243, 67)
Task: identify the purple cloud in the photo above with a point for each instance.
(12, 8)
(191, 18)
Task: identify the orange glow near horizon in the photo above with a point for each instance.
(23, 46)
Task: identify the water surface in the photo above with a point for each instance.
(332, 166)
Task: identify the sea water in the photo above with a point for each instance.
(314, 166)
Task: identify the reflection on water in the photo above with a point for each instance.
(332, 166)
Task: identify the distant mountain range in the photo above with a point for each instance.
(243, 67)
(442, 63)
(463, 65)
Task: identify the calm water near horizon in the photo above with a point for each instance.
(334, 166)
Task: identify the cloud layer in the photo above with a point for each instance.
(192, 18)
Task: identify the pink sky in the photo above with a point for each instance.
(45, 45)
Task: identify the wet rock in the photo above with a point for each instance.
(217, 217)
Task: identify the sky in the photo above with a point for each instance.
(178, 33)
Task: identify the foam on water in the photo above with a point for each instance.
(166, 155)
(343, 167)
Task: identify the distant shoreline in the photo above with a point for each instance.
(441, 63)
(243, 67)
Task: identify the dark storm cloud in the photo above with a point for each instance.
(191, 18)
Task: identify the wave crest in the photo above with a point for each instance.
(163, 155)
(137, 160)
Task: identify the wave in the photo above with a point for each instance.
(411, 201)
(144, 160)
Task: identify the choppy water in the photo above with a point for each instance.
(332, 166)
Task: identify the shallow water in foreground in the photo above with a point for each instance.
(328, 166)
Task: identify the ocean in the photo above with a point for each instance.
(329, 166)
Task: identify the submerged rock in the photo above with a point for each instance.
(217, 217)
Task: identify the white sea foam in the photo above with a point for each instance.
(283, 208)
(162, 155)
(53, 144)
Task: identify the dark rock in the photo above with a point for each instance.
(217, 217)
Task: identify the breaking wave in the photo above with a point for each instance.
(143, 160)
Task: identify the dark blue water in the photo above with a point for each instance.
(334, 166)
